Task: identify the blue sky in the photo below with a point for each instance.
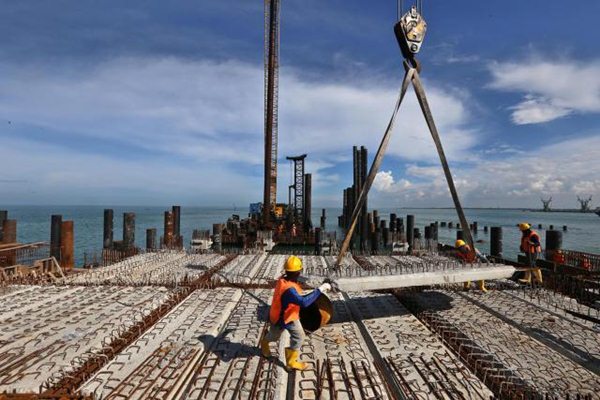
(156, 103)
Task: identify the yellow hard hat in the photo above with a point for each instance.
(293, 264)
(459, 243)
(524, 226)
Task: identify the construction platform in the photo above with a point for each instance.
(182, 326)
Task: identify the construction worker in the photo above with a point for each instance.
(464, 253)
(294, 230)
(285, 312)
(530, 245)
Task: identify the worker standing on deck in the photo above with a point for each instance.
(464, 253)
(530, 245)
(285, 312)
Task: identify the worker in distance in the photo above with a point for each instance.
(465, 254)
(284, 314)
(531, 246)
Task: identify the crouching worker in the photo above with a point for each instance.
(285, 312)
(464, 253)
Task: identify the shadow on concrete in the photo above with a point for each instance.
(226, 350)
(262, 312)
(426, 301)
(387, 305)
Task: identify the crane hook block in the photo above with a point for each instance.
(410, 32)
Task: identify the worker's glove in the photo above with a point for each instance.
(325, 287)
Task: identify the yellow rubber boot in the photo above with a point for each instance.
(527, 278)
(264, 348)
(466, 285)
(482, 286)
(537, 274)
(291, 358)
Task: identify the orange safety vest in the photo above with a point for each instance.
(468, 256)
(292, 312)
(585, 263)
(529, 248)
(559, 257)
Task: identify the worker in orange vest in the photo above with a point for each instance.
(464, 253)
(285, 312)
(531, 246)
(558, 257)
(585, 262)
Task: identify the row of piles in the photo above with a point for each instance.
(553, 238)
(128, 242)
(351, 195)
(171, 239)
(8, 228)
(8, 237)
(62, 240)
(373, 233)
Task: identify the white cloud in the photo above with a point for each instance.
(425, 172)
(54, 175)
(384, 182)
(551, 89)
(462, 59)
(215, 110)
(329, 118)
(209, 115)
(207, 118)
(537, 110)
(185, 108)
(562, 170)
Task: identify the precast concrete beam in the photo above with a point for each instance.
(381, 282)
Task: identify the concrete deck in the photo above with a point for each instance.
(440, 343)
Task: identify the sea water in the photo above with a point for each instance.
(583, 232)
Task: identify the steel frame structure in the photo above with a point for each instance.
(298, 185)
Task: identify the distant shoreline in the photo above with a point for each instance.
(242, 208)
(558, 210)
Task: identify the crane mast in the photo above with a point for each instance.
(271, 105)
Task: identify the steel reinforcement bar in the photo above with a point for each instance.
(499, 378)
(67, 383)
